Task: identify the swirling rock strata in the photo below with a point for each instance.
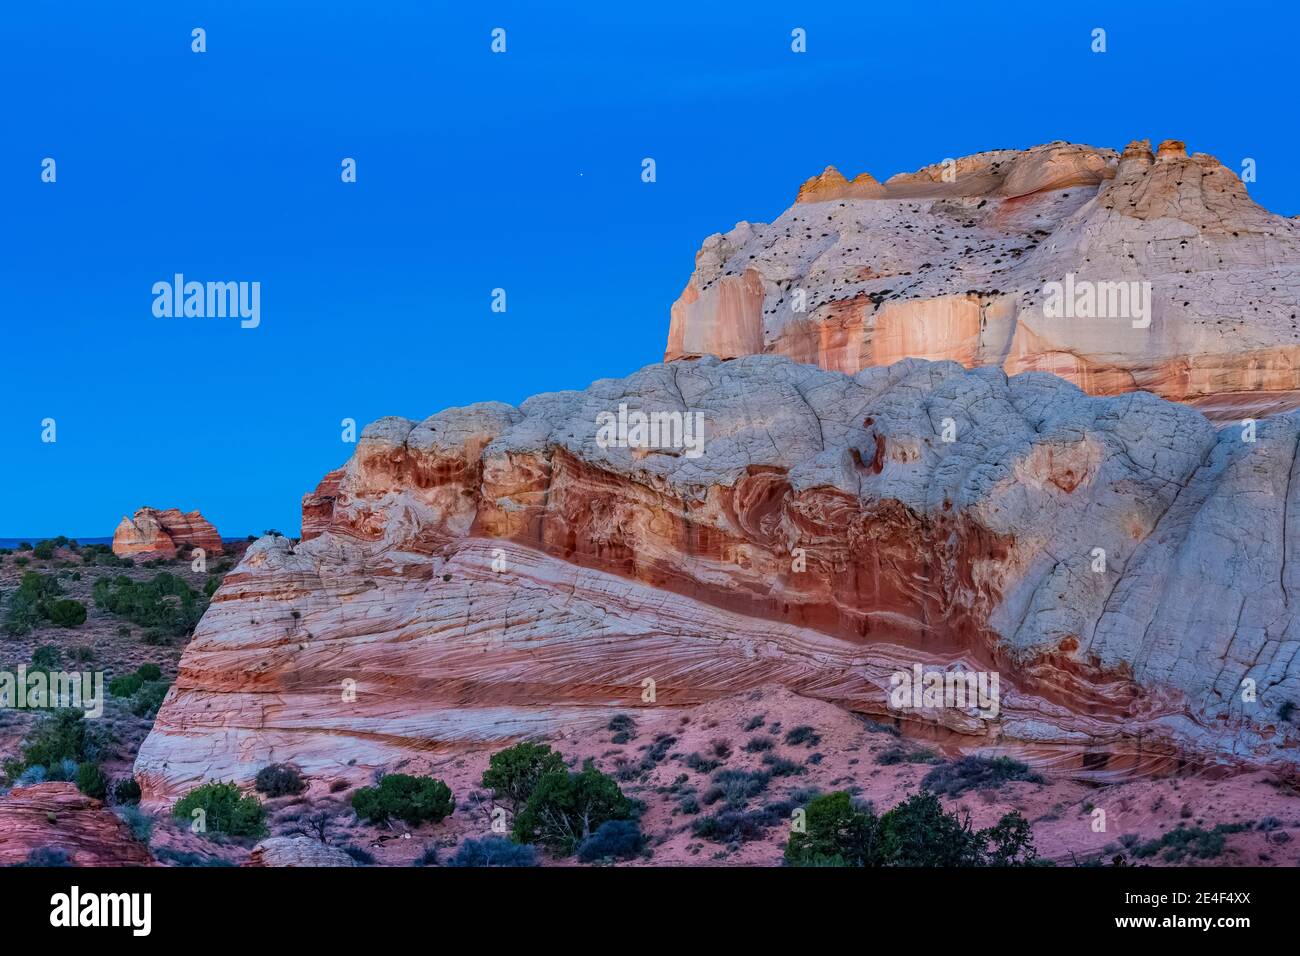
(65, 826)
(496, 572)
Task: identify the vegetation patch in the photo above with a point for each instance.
(977, 773)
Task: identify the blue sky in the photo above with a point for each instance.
(478, 171)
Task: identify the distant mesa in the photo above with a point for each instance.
(159, 534)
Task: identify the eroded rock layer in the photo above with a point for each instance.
(955, 261)
(52, 824)
(158, 534)
(495, 572)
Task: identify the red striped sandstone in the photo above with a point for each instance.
(493, 572)
(158, 534)
(57, 817)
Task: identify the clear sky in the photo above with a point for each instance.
(476, 171)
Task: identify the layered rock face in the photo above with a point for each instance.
(956, 262)
(158, 534)
(496, 572)
(62, 822)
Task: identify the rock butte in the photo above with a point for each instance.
(158, 534)
(56, 816)
(950, 262)
(493, 573)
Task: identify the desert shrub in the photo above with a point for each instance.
(21, 615)
(494, 851)
(780, 766)
(976, 773)
(1010, 842)
(91, 780)
(126, 791)
(82, 654)
(565, 808)
(21, 562)
(226, 810)
(39, 587)
(689, 805)
(149, 671)
(101, 555)
(733, 825)
(165, 603)
(47, 856)
(622, 725)
(658, 750)
(702, 764)
(613, 840)
(759, 744)
(46, 657)
(413, 800)
(1286, 711)
(32, 775)
(146, 701)
(1183, 842)
(513, 773)
(66, 613)
(44, 550)
(836, 833)
(126, 685)
(279, 780)
(58, 737)
(802, 734)
(736, 787)
(210, 586)
(155, 637)
(899, 753)
(916, 832)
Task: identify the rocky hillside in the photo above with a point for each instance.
(952, 262)
(495, 572)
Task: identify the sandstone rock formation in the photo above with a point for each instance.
(158, 534)
(297, 851)
(495, 572)
(63, 823)
(952, 262)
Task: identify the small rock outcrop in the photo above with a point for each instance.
(298, 851)
(63, 826)
(159, 534)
